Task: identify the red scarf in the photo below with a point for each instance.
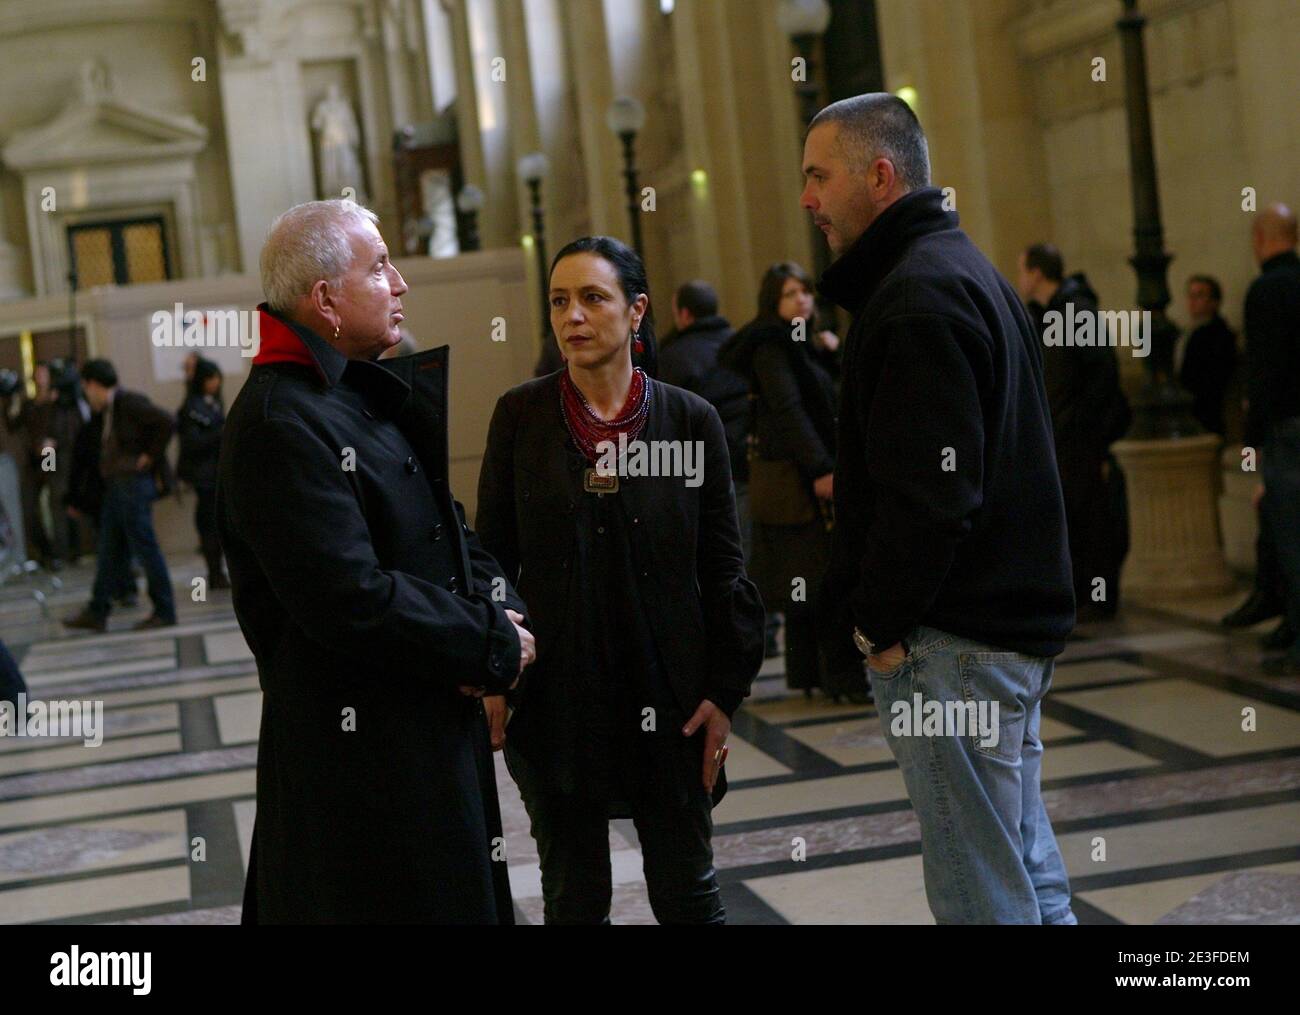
(588, 430)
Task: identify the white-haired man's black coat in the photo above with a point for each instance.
(367, 602)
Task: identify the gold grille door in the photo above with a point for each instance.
(125, 252)
(92, 257)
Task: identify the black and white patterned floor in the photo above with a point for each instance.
(1145, 748)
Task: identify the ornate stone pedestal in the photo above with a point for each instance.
(1175, 550)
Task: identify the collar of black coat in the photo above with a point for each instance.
(1278, 260)
(854, 275)
(284, 341)
(714, 322)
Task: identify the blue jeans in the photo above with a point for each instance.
(988, 849)
(126, 531)
(1280, 466)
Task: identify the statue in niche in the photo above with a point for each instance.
(337, 144)
(440, 212)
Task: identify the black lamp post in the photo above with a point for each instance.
(532, 169)
(469, 202)
(1163, 407)
(625, 118)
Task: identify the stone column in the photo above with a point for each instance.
(593, 88)
(481, 141)
(1175, 550)
(11, 266)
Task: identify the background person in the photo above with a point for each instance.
(1089, 413)
(199, 424)
(47, 422)
(791, 464)
(1272, 325)
(1206, 355)
(132, 463)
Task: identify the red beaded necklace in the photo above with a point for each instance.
(588, 430)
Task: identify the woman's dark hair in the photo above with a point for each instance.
(769, 290)
(631, 274)
(203, 369)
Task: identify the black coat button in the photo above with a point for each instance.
(412, 466)
(437, 532)
(453, 584)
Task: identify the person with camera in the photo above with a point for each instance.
(47, 424)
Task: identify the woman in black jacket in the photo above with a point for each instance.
(199, 423)
(648, 631)
(791, 476)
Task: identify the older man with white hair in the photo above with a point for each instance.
(376, 619)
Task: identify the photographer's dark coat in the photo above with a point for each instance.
(366, 601)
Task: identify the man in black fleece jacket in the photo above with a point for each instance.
(951, 564)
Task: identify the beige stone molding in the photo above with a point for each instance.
(18, 17)
(103, 152)
(97, 127)
(1175, 548)
(1061, 25)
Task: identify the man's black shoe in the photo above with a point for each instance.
(1258, 607)
(1279, 639)
(153, 620)
(87, 620)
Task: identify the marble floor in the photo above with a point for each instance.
(1144, 749)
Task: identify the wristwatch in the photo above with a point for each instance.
(868, 647)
